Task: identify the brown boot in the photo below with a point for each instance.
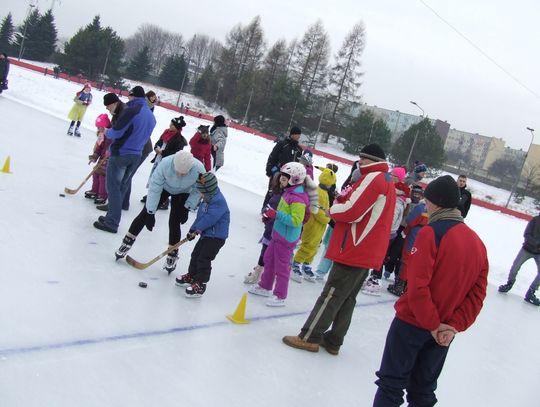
(331, 349)
(298, 343)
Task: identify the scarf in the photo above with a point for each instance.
(446, 214)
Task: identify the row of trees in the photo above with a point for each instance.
(268, 87)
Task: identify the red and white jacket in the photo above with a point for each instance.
(363, 221)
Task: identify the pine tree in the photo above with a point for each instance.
(7, 33)
(140, 65)
(207, 85)
(345, 74)
(366, 129)
(29, 29)
(428, 147)
(93, 50)
(173, 72)
(47, 35)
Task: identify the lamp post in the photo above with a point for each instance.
(184, 77)
(415, 136)
(21, 49)
(516, 182)
(247, 108)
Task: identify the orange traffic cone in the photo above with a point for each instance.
(239, 314)
(5, 168)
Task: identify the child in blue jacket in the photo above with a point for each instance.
(212, 224)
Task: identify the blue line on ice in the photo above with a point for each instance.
(114, 338)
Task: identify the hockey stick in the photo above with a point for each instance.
(141, 266)
(74, 191)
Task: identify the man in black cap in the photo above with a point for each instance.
(358, 244)
(285, 151)
(446, 286)
(129, 135)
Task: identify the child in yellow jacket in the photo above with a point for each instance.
(313, 230)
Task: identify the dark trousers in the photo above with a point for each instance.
(204, 252)
(412, 360)
(177, 216)
(127, 194)
(334, 306)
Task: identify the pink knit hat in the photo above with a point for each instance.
(399, 173)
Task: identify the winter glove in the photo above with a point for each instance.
(150, 221)
(192, 234)
(270, 213)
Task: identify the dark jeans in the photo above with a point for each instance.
(120, 169)
(412, 360)
(202, 255)
(334, 306)
(127, 195)
(177, 216)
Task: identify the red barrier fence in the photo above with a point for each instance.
(80, 79)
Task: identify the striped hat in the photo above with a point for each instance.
(207, 184)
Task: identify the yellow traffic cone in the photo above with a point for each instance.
(5, 168)
(239, 315)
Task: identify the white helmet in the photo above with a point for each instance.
(295, 171)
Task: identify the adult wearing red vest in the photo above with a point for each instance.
(358, 244)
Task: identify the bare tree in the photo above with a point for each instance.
(345, 71)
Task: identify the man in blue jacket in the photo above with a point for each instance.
(129, 135)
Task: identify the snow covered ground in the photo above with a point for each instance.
(78, 330)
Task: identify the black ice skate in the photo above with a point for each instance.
(70, 130)
(170, 263)
(184, 280)
(506, 287)
(90, 195)
(195, 290)
(531, 298)
(124, 247)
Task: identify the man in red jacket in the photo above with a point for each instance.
(447, 279)
(358, 244)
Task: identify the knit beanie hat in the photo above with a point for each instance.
(219, 121)
(306, 158)
(327, 177)
(399, 173)
(178, 122)
(443, 192)
(420, 168)
(295, 130)
(137, 92)
(203, 129)
(110, 98)
(373, 152)
(207, 184)
(183, 161)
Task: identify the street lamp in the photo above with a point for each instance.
(415, 136)
(248, 106)
(21, 49)
(516, 182)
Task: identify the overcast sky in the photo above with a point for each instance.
(410, 53)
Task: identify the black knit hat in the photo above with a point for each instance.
(373, 152)
(443, 192)
(178, 122)
(295, 130)
(219, 121)
(110, 98)
(137, 92)
(207, 184)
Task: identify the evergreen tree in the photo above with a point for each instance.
(93, 50)
(206, 86)
(366, 129)
(29, 30)
(428, 147)
(140, 65)
(173, 72)
(7, 33)
(47, 35)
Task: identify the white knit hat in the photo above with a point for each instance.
(183, 161)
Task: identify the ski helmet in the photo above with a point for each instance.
(295, 171)
(103, 121)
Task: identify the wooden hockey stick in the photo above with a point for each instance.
(141, 266)
(74, 191)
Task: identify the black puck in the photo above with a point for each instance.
(143, 284)
(62, 195)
